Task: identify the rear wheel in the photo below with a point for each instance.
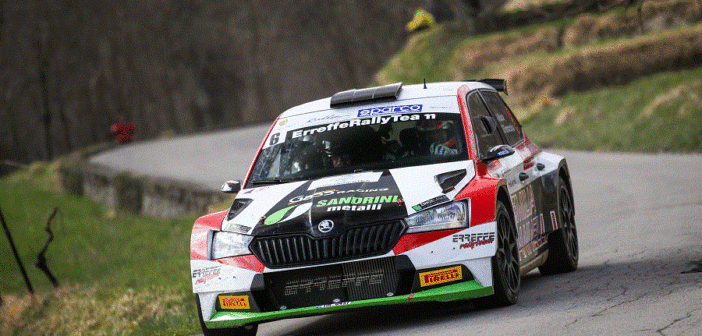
(505, 264)
(247, 330)
(563, 243)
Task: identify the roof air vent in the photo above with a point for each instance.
(365, 95)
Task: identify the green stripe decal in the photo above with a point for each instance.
(459, 291)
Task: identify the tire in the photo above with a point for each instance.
(247, 330)
(563, 243)
(506, 279)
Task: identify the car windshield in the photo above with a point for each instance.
(362, 144)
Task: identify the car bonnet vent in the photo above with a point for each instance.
(363, 95)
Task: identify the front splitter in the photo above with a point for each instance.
(459, 291)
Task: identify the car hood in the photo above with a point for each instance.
(326, 206)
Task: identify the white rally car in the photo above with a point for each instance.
(387, 195)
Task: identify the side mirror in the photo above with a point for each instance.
(489, 123)
(498, 152)
(231, 187)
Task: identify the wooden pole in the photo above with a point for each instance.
(14, 251)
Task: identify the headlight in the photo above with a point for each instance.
(229, 244)
(451, 216)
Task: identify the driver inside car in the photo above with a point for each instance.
(357, 145)
(438, 136)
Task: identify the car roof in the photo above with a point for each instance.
(406, 92)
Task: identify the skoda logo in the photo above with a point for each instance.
(325, 226)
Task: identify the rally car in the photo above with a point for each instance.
(386, 195)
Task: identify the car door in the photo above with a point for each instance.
(493, 125)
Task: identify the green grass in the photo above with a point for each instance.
(661, 113)
(125, 273)
(424, 56)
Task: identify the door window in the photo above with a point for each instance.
(510, 127)
(484, 125)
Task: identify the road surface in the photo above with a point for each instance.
(639, 220)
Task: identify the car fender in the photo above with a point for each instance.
(199, 238)
(483, 193)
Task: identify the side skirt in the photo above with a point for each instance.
(534, 263)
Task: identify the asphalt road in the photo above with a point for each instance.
(639, 220)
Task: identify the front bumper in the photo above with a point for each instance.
(437, 266)
(458, 291)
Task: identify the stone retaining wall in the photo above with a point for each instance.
(152, 196)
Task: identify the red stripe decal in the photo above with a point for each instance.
(249, 262)
(541, 221)
(414, 240)
(553, 221)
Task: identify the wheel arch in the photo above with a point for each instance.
(483, 193)
(503, 196)
(564, 175)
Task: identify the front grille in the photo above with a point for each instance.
(333, 284)
(301, 249)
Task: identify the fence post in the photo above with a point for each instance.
(14, 251)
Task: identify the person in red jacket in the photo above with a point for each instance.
(122, 131)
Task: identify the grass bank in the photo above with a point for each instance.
(619, 80)
(119, 273)
(660, 113)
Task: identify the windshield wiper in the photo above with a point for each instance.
(271, 181)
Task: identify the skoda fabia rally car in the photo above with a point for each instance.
(387, 195)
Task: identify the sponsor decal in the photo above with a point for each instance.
(553, 220)
(352, 203)
(431, 202)
(318, 194)
(440, 276)
(359, 122)
(287, 213)
(326, 118)
(278, 215)
(539, 242)
(354, 207)
(333, 282)
(325, 226)
(524, 204)
(525, 214)
(335, 304)
(204, 274)
(234, 302)
(358, 200)
(415, 108)
(472, 240)
(283, 122)
(345, 179)
(541, 223)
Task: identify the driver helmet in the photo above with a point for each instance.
(431, 126)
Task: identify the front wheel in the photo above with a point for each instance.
(247, 330)
(563, 243)
(505, 264)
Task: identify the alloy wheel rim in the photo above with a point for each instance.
(508, 254)
(568, 218)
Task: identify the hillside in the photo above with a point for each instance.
(619, 80)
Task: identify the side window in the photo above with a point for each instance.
(484, 126)
(510, 128)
